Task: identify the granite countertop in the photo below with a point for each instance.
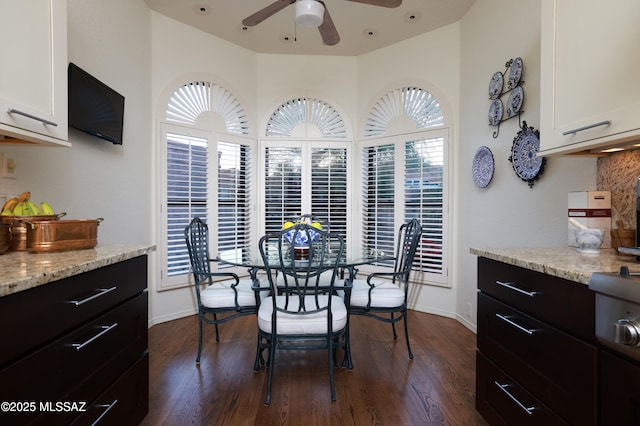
(21, 270)
(562, 262)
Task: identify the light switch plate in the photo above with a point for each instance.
(9, 166)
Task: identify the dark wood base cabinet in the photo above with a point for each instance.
(619, 390)
(537, 355)
(76, 349)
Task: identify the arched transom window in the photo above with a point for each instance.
(304, 111)
(190, 101)
(409, 102)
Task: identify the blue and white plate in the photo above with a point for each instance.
(482, 167)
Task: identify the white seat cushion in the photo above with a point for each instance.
(221, 295)
(385, 295)
(302, 324)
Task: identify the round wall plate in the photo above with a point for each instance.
(495, 112)
(496, 85)
(524, 155)
(482, 167)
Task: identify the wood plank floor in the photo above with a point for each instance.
(384, 388)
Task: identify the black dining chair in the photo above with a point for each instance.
(383, 294)
(302, 312)
(220, 296)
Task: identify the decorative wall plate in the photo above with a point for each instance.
(496, 85)
(482, 167)
(524, 155)
(514, 103)
(495, 112)
(515, 73)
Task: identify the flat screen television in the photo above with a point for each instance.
(94, 107)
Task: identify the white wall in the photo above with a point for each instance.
(507, 212)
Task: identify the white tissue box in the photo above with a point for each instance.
(591, 209)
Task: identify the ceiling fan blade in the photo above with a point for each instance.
(265, 13)
(327, 29)
(383, 3)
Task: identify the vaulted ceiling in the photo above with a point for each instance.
(361, 27)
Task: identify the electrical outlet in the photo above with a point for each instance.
(469, 309)
(9, 166)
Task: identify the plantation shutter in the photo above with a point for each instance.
(378, 229)
(283, 186)
(424, 184)
(234, 201)
(329, 188)
(186, 195)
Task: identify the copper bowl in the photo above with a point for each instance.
(5, 237)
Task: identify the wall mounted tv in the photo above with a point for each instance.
(94, 107)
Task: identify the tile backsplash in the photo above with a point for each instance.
(619, 174)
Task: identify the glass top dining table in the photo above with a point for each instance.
(254, 263)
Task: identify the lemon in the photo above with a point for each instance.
(287, 225)
(317, 225)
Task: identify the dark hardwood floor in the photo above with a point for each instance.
(384, 387)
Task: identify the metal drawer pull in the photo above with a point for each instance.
(101, 292)
(519, 290)
(503, 388)
(33, 117)
(107, 407)
(518, 326)
(590, 126)
(105, 329)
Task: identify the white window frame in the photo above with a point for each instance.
(399, 141)
(306, 146)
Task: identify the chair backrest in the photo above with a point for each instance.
(408, 239)
(298, 262)
(196, 235)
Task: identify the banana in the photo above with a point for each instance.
(6, 212)
(47, 209)
(24, 197)
(18, 210)
(10, 204)
(34, 210)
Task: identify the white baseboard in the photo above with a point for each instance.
(172, 316)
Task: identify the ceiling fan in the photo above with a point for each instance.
(312, 13)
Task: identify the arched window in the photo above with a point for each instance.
(207, 172)
(302, 111)
(405, 176)
(411, 102)
(306, 152)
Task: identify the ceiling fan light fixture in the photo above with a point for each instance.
(309, 13)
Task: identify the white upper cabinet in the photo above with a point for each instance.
(33, 75)
(590, 81)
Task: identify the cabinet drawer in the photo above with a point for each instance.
(124, 403)
(568, 305)
(82, 364)
(502, 401)
(557, 368)
(42, 314)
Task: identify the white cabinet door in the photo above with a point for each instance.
(590, 86)
(33, 75)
